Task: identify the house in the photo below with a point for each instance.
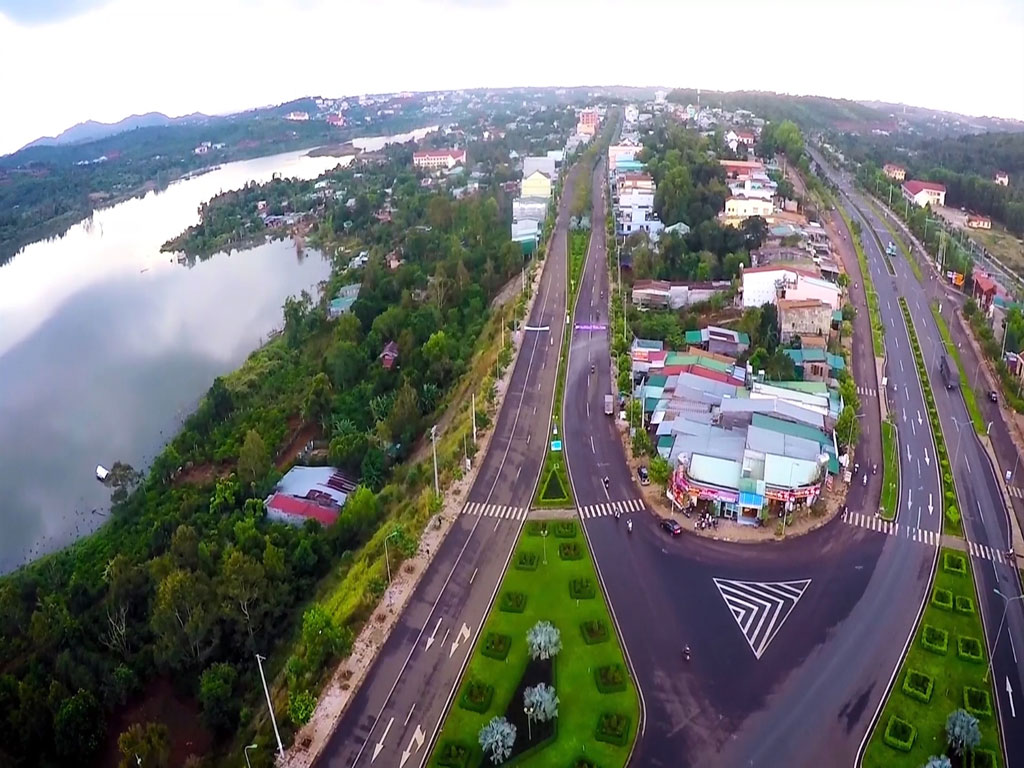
(297, 117)
(434, 159)
(338, 121)
(526, 232)
(627, 183)
(974, 221)
(895, 172)
(719, 341)
(816, 364)
(543, 163)
(389, 355)
(680, 228)
(203, 148)
(394, 260)
(985, 289)
(922, 193)
(740, 208)
(804, 317)
(345, 298)
(661, 293)
(619, 153)
(1003, 178)
(537, 184)
(741, 169)
(308, 493)
(586, 124)
(529, 208)
(751, 188)
(768, 284)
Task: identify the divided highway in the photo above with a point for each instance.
(394, 717)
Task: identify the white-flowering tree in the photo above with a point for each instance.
(938, 762)
(962, 731)
(496, 739)
(540, 702)
(544, 640)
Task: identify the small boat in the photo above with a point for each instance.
(102, 473)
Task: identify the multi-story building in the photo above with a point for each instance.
(768, 284)
(804, 317)
(537, 184)
(435, 159)
(586, 124)
(740, 208)
(1003, 178)
(922, 193)
(895, 172)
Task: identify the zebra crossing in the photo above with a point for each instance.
(868, 391)
(494, 510)
(611, 507)
(1015, 491)
(931, 538)
(986, 552)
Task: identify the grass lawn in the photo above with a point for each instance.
(1002, 245)
(890, 471)
(547, 592)
(949, 674)
(965, 387)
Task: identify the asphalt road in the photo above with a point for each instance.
(394, 717)
(985, 516)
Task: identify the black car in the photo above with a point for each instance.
(642, 476)
(671, 526)
(993, 396)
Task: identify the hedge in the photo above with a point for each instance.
(977, 702)
(513, 602)
(935, 639)
(581, 589)
(612, 728)
(918, 685)
(964, 604)
(899, 734)
(942, 599)
(496, 646)
(476, 696)
(954, 563)
(969, 649)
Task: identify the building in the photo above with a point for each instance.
(526, 232)
(661, 294)
(974, 221)
(586, 123)
(434, 159)
(634, 182)
(203, 148)
(618, 153)
(985, 289)
(895, 172)
(922, 193)
(719, 341)
(816, 364)
(751, 188)
(338, 121)
(804, 317)
(308, 493)
(345, 298)
(297, 117)
(537, 184)
(768, 284)
(529, 208)
(389, 355)
(740, 208)
(742, 169)
(1003, 178)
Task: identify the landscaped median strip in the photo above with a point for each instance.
(890, 471)
(896, 238)
(950, 509)
(969, 398)
(944, 671)
(874, 312)
(549, 626)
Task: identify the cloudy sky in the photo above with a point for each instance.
(64, 61)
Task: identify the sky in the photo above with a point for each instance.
(65, 61)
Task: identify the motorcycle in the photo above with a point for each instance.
(686, 653)
(874, 470)
(605, 481)
(629, 526)
(617, 514)
(865, 479)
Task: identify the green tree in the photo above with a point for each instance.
(755, 231)
(243, 583)
(660, 470)
(217, 697)
(78, 727)
(847, 427)
(405, 414)
(253, 459)
(317, 406)
(320, 636)
(182, 619)
(185, 547)
(301, 706)
(146, 745)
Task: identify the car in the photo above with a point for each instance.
(671, 526)
(993, 396)
(643, 476)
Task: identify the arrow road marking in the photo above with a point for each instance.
(927, 461)
(919, 421)
(760, 607)
(930, 504)
(380, 744)
(1009, 694)
(463, 635)
(417, 738)
(908, 449)
(430, 640)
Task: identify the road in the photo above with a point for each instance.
(394, 717)
(985, 517)
(744, 698)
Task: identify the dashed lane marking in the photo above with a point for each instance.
(760, 608)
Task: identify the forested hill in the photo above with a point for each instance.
(808, 111)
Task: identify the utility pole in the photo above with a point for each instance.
(433, 445)
(473, 407)
(270, 705)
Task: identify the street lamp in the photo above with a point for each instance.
(270, 705)
(433, 445)
(387, 560)
(995, 641)
(246, 751)
(544, 543)
(528, 711)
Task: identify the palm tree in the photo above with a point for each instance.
(938, 762)
(496, 739)
(544, 640)
(962, 731)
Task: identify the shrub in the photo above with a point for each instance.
(565, 529)
(953, 514)
(610, 678)
(963, 604)
(527, 560)
(536, 527)
(496, 646)
(612, 728)
(581, 589)
(947, 479)
(570, 550)
(582, 762)
(513, 602)
(594, 631)
(899, 734)
(954, 563)
(977, 702)
(942, 599)
(969, 649)
(301, 706)
(918, 685)
(453, 755)
(984, 758)
(476, 696)
(935, 639)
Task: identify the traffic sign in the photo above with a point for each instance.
(556, 445)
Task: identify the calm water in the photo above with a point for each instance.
(106, 345)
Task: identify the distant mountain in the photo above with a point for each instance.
(91, 130)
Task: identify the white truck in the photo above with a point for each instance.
(609, 405)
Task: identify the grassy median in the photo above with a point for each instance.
(890, 471)
(944, 670)
(550, 578)
(965, 385)
(874, 312)
(896, 238)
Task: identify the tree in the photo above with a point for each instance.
(146, 745)
(405, 414)
(78, 727)
(938, 762)
(962, 732)
(497, 738)
(217, 697)
(847, 427)
(544, 640)
(755, 230)
(300, 706)
(540, 702)
(660, 470)
(182, 619)
(185, 547)
(254, 458)
(243, 581)
(317, 406)
(320, 636)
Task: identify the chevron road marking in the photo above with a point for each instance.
(760, 608)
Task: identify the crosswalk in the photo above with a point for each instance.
(1015, 491)
(867, 391)
(931, 538)
(494, 510)
(611, 507)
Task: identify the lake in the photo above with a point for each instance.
(106, 345)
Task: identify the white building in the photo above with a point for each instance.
(768, 284)
(434, 159)
(740, 208)
(529, 209)
(297, 116)
(922, 193)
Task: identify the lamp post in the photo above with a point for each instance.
(270, 705)
(544, 543)
(995, 640)
(433, 444)
(246, 751)
(387, 559)
(528, 711)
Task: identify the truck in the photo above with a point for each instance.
(609, 405)
(950, 373)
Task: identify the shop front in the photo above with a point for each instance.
(718, 502)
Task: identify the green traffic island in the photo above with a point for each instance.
(941, 702)
(874, 310)
(553, 491)
(547, 683)
(890, 471)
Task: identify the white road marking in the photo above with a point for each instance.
(760, 608)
